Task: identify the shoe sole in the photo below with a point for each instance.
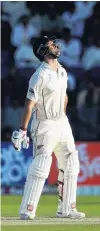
(75, 217)
(58, 215)
(26, 217)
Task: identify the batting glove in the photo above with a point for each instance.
(20, 140)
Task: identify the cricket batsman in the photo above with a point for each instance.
(51, 132)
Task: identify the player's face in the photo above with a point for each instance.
(54, 48)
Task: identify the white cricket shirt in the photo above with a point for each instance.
(48, 89)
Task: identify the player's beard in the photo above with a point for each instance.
(54, 54)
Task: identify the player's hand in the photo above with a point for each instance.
(20, 140)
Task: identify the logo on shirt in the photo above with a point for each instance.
(49, 77)
(62, 74)
(31, 91)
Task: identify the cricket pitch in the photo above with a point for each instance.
(49, 221)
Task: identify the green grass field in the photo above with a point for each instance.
(47, 207)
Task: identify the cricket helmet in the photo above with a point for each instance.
(39, 47)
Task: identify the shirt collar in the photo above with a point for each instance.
(49, 67)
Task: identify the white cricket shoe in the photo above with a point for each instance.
(26, 216)
(74, 214)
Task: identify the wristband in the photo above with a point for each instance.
(23, 129)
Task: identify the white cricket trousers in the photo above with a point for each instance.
(49, 136)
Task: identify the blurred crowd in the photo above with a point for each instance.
(77, 26)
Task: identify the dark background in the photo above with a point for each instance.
(77, 24)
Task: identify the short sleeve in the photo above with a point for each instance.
(35, 88)
(65, 77)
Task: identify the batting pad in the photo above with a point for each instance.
(69, 194)
(70, 183)
(40, 166)
(37, 174)
(72, 164)
(32, 193)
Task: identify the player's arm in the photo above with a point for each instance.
(19, 138)
(36, 84)
(27, 112)
(65, 103)
(66, 96)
